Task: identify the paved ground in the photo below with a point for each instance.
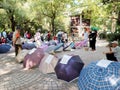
(13, 77)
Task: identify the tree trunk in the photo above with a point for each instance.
(114, 16)
(12, 22)
(53, 25)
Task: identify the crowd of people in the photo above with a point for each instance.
(89, 40)
(6, 37)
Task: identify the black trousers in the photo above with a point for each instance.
(111, 57)
(18, 48)
(93, 44)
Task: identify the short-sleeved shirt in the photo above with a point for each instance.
(117, 52)
(17, 35)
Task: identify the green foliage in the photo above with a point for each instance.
(102, 35)
(113, 36)
(50, 14)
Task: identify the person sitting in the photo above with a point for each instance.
(114, 54)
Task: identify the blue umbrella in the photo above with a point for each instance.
(58, 46)
(4, 48)
(28, 46)
(100, 75)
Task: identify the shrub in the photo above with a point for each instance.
(102, 35)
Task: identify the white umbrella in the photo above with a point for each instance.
(48, 63)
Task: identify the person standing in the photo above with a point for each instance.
(65, 37)
(85, 35)
(92, 40)
(17, 41)
(48, 36)
(37, 38)
(4, 34)
(59, 36)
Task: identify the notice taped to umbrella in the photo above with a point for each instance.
(65, 59)
(49, 59)
(104, 63)
(32, 51)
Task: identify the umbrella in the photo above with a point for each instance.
(50, 48)
(81, 44)
(67, 47)
(52, 42)
(44, 47)
(28, 46)
(69, 67)
(72, 45)
(33, 58)
(100, 75)
(48, 63)
(59, 47)
(4, 48)
(21, 55)
(94, 28)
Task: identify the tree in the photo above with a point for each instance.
(52, 9)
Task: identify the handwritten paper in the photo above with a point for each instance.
(104, 63)
(65, 59)
(49, 59)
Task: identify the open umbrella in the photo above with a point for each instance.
(67, 47)
(4, 48)
(69, 67)
(28, 45)
(100, 75)
(50, 48)
(33, 58)
(48, 63)
(44, 47)
(59, 47)
(52, 42)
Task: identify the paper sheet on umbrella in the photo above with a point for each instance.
(32, 51)
(65, 59)
(104, 63)
(49, 59)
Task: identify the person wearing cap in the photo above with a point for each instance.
(17, 41)
(114, 54)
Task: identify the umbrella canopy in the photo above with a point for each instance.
(81, 44)
(100, 75)
(69, 67)
(33, 58)
(52, 42)
(48, 63)
(44, 47)
(28, 46)
(50, 48)
(21, 55)
(67, 47)
(4, 48)
(59, 47)
(72, 45)
(94, 28)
